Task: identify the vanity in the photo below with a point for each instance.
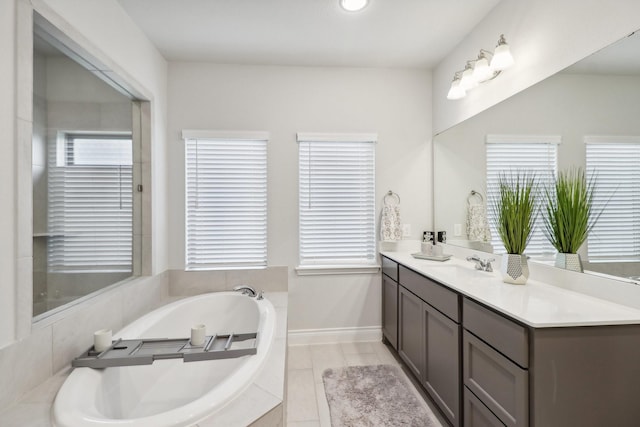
(493, 354)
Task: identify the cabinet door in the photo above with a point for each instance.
(476, 414)
(390, 310)
(410, 330)
(442, 362)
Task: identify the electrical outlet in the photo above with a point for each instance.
(406, 230)
(457, 229)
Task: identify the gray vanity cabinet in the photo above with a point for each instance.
(484, 368)
(441, 358)
(430, 339)
(410, 330)
(476, 414)
(495, 358)
(390, 301)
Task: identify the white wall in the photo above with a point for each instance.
(284, 100)
(545, 37)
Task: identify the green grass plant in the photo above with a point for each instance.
(568, 213)
(515, 209)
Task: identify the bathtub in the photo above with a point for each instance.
(170, 392)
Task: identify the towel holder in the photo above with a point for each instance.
(391, 194)
(473, 194)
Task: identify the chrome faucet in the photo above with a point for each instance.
(481, 264)
(245, 290)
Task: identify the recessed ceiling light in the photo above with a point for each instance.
(353, 5)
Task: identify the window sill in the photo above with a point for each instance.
(315, 270)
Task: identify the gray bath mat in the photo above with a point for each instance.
(371, 396)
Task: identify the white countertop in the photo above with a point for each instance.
(536, 304)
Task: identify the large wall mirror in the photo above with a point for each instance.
(83, 149)
(588, 112)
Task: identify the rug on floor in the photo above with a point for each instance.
(377, 395)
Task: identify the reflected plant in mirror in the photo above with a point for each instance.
(569, 215)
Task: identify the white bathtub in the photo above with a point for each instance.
(170, 393)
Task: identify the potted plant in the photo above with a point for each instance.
(569, 215)
(515, 210)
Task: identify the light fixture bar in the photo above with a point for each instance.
(486, 67)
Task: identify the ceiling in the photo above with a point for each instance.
(387, 33)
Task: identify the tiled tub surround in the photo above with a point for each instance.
(56, 340)
(33, 369)
(526, 353)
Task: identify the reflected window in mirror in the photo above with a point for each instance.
(512, 153)
(613, 163)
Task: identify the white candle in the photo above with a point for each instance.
(198, 332)
(102, 340)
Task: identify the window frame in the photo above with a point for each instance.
(346, 265)
(226, 137)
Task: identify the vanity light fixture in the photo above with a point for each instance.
(486, 67)
(353, 5)
(468, 80)
(456, 91)
(502, 58)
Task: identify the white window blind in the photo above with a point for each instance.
(614, 161)
(90, 204)
(336, 196)
(513, 153)
(226, 200)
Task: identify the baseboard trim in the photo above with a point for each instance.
(334, 335)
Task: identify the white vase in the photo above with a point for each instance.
(514, 269)
(569, 262)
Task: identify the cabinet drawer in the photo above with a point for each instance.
(431, 292)
(476, 414)
(499, 383)
(506, 336)
(390, 268)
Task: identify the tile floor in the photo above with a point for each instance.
(306, 402)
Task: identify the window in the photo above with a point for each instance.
(336, 198)
(226, 203)
(90, 204)
(614, 161)
(525, 153)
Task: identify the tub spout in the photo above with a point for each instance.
(245, 290)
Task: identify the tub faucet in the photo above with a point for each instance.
(482, 264)
(245, 290)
